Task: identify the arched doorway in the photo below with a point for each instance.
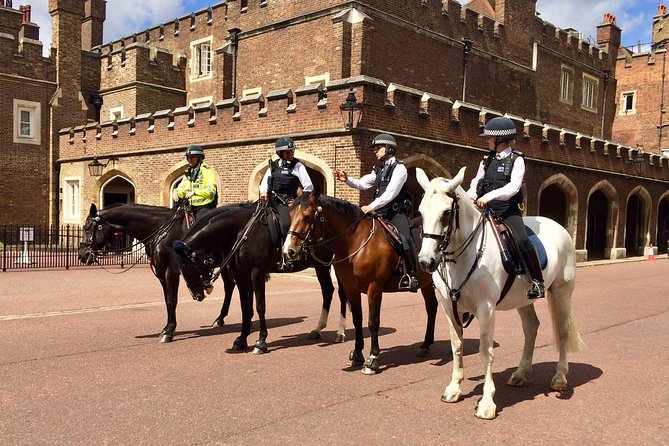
(117, 190)
(635, 227)
(663, 226)
(553, 204)
(598, 211)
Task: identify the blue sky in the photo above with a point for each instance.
(125, 17)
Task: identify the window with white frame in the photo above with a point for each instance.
(627, 103)
(590, 85)
(319, 79)
(72, 209)
(116, 113)
(201, 57)
(566, 84)
(27, 122)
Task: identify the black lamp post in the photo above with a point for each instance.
(95, 167)
(639, 162)
(351, 110)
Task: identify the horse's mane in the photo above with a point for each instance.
(205, 218)
(338, 205)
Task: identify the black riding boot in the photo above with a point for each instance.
(531, 260)
(409, 281)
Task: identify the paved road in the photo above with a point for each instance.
(80, 363)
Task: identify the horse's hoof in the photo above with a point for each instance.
(451, 397)
(371, 366)
(340, 338)
(423, 352)
(218, 323)
(486, 413)
(355, 359)
(259, 348)
(164, 338)
(314, 335)
(516, 381)
(239, 345)
(558, 384)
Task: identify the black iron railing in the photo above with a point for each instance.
(43, 246)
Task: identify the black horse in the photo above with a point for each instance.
(251, 250)
(156, 227)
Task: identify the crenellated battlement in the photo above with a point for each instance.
(415, 114)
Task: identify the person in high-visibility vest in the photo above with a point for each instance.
(198, 184)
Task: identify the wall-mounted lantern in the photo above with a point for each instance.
(351, 110)
(95, 167)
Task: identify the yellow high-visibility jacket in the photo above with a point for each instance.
(203, 186)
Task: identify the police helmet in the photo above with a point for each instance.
(284, 143)
(386, 140)
(194, 150)
(501, 127)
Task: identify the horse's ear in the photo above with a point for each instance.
(93, 211)
(314, 195)
(459, 177)
(422, 178)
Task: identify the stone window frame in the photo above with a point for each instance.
(623, 111)
(251, 91)
(322, 79)
(34, 110)
(196, 48)
(116, 113)
(592, 94)
(71, 203)
(566, 84)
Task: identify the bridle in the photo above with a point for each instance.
(444, 239)
(310, 246)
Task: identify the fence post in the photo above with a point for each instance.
(67, 247)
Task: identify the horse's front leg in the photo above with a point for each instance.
(487, 409)
(530, 327)
(258, 278)
(341, 330)
(169, 280)
(356, 358)
(228, 288)
(374, 297)
(246, 304)
(327, 290)
(453, 392)
(431, 305)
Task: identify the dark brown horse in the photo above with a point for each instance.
(364, 261)
(156, 228)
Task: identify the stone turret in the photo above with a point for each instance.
(91, 27)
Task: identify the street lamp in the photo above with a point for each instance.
(351, 110)
(639, 162)
(95, 167)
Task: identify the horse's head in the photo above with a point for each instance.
(98, 235)
(197, 268)
(438, 209)
(304, 214)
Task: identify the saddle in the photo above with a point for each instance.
(511, 257)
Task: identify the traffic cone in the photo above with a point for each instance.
(651, 253)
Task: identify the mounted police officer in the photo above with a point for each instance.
(285, 179)
(198, 183)
(390, 199)
(497, 185)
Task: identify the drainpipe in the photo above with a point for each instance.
(467, 48)
(606, 81)
(234, 39)
(664, 63)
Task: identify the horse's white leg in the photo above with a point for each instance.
(486, 315)
(320, 325)
(341, 331)
(453, 392)
(560, 308)
(528, 316)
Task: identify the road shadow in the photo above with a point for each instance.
(538, 382)
(205, 330)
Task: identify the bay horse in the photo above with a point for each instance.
(244, 238)
(460, 250)
(156, 227)
(364, 261)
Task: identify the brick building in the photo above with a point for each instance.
(239, 74)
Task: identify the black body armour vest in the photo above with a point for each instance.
(497, 175)
(399, 203)
(282, 180)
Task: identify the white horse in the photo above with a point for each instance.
(461, 251)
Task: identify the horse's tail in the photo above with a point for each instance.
(574, 342)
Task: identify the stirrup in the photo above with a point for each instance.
(408, 283)
(536, 290)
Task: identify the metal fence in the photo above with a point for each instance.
(43, 246)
